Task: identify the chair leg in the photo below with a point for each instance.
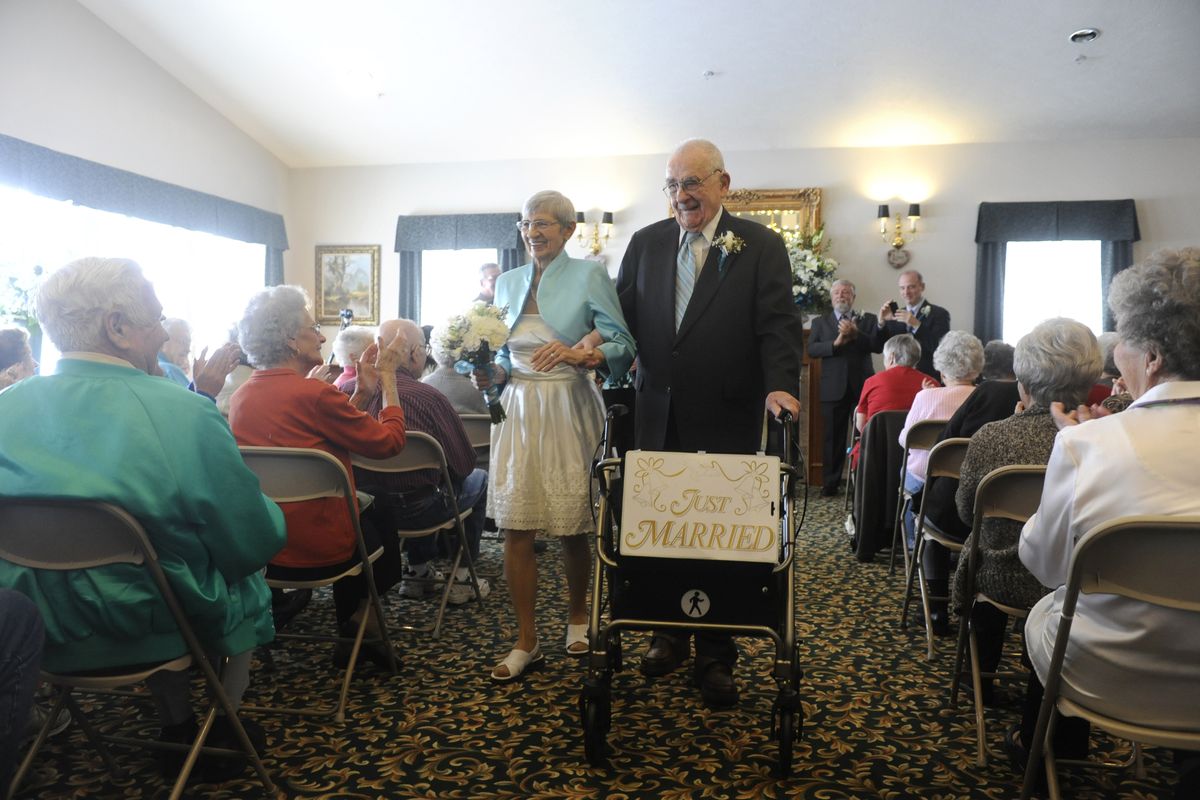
(920, 570)
(193, 754)
(221, 699)
(908, 583)
(42, 735)
(977, 688)
(897, 538)
(960, 655)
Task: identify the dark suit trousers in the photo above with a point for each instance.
(835, 418)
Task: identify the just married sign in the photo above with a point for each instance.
(698, 505)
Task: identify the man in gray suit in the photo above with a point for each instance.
(844, 340)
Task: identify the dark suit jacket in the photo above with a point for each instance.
(739, 339)
(846, 366)
(934, 325)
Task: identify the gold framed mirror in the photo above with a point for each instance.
(789, 212)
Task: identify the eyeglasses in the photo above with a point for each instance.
(688, 185)
(315, 328)
(538, 225)
(426, 347)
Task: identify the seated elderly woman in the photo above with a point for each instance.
(458, 388)
(348, 346)
(16, 359)
(1058, 361)
(278, 406)
(165, 456)
(1125, 655)
(894, 388)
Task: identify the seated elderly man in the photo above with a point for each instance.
(412, 498)
(104, 429)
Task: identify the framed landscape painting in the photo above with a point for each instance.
(348, 278)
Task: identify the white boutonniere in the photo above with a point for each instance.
(729, 243)
(924, 311)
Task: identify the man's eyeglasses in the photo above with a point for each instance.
(428, 348)
(538, 225)
(688, 185)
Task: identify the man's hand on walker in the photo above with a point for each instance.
(778, 402)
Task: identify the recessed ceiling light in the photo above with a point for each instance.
(1084, 35)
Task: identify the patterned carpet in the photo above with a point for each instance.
(876, 724)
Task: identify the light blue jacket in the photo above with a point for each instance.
(574, 296)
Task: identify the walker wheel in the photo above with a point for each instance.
(787, 721)
(594, 729)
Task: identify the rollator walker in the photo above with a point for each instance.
(693, 541)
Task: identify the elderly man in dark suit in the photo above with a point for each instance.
(925, 321)
(844, 340)
(708, 298)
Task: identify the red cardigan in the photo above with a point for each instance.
(281, 408)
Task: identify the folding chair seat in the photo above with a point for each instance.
(1011, 492)
(1151, 559)
(89, 535)
(945, 461)
(298, 474)
(479, 433)
(875, 488)
(921, 436)
(423, 452)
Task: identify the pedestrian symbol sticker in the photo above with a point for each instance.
(695, 603)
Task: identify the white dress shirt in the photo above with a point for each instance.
(1124, 654)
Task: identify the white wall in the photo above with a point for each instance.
(360, 205)
(70, 83)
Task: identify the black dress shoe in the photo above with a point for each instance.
(717, 686)
(661, 658)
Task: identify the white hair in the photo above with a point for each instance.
(272, 317)
(350, 341)
(73, 302)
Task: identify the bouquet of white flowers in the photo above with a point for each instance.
(471, 340)
(812, 271)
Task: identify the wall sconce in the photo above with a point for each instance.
(898, 256)
(594, 242)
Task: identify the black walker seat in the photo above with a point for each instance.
(747, 598)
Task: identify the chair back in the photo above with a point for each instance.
(1146, 558)
(923, 435)
(875, 490)
(479, 429)
(421, 451)
(1011, 492)
(86, 534)
(296, 474)
(946, 458)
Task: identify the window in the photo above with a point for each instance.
(1051, 279)
(199, 277)
(450, 281)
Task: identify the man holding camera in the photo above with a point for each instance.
(844, 340)
(925, 321)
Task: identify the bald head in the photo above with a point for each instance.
(411, 334)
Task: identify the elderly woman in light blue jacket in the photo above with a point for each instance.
(541, 454)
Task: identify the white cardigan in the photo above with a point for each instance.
(1144, 460)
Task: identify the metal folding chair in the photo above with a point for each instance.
(921, 436)
(1147, 558)
(296, 474)
(1011, 492)
(875, 491)
(76, 536)
(422, 452)
(479, 433)
(945, 461)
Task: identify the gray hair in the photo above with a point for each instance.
(73, 302)
(1059, 360)
(843, 282)
(959, 356)
(1108, 345)
(350, 340)
(554, 203)
(1157, 306)
(14, 341)
(272, 317)
(997, 361)
(711, 152)
(485, 268)
(904, 350)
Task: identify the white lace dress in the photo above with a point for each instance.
(541, 454)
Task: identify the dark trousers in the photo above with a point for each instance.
(835, 418)
(471, 492)
(21, 640)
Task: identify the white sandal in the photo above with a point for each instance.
(577, 635)
(516, 662)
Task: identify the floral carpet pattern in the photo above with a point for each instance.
(876, 718)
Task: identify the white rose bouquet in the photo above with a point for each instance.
(472, 339)
(812, 271)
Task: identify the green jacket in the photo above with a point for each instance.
(100, 431)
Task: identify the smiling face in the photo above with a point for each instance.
(307, 342)
(695, 209)
(137, 336)
(912, 289)
(842, 297)
(545, 244)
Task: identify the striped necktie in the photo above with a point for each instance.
(685, 276)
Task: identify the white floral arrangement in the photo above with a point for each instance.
(471, 340)
(812, 271)
(729, 243)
